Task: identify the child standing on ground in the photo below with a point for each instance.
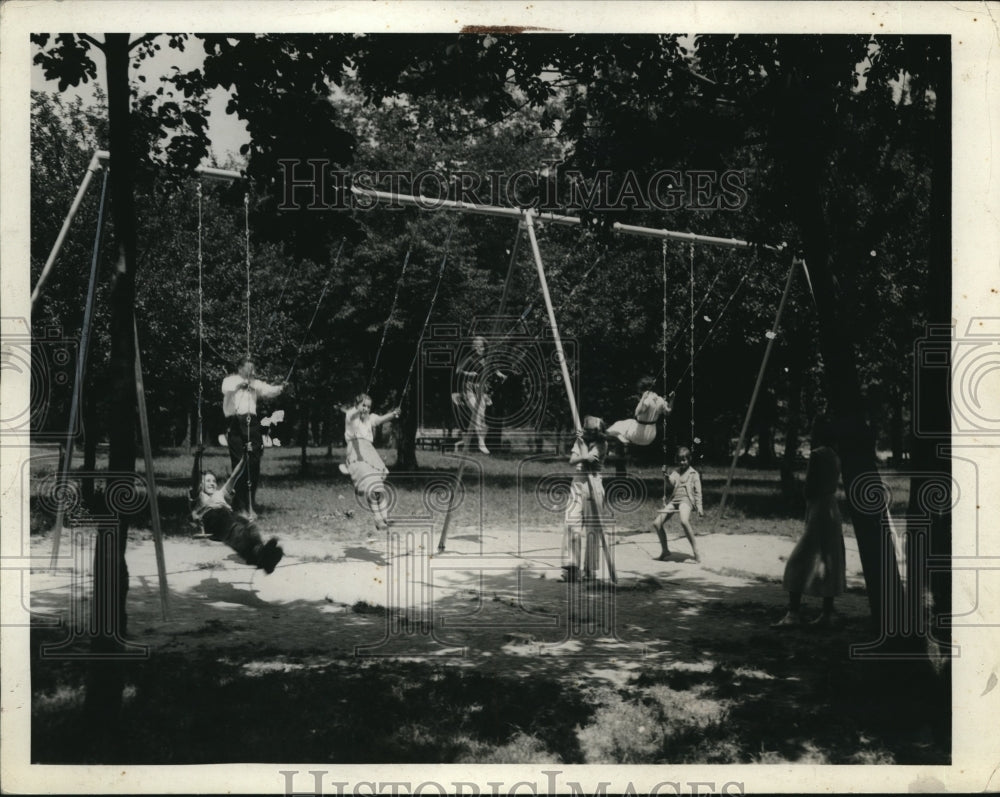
(686, 496)
(587, 454)
(364, 465)
(210, 507)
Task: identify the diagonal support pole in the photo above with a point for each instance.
(81, 361)
(756, 388)
(147, 452)
(571, 397)
(92, 168)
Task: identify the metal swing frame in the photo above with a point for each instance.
(528, 218)
(100, 162)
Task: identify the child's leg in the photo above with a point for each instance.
(826, 616)
(244, 538)
(590, 544)
(685, 516)
(658, 527)
(574, 530)
(793, 616)
(381, 510)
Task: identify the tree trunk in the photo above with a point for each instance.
(803, 114)
(303, 435)
(931, 595)
(896, 429)
(765, 430)
(328, 424)
(91, 436)
(105, 678)
(406, 440)
(789, 486)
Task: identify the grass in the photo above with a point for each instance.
(503, 492)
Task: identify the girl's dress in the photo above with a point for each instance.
(474, 393)
(580, 516)
(817, 565)
(364, 465)
(641, 430)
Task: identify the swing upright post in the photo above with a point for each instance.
(756, 388)
(567, 382)
(81, 363)
(528, 217)
(147, 453)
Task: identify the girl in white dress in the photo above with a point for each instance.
(363, 463)
(640, 429)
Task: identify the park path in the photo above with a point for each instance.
(491, 601)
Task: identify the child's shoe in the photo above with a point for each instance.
(270, 555)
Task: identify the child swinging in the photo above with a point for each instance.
(640, 429)
(211, 508)
(364, 465)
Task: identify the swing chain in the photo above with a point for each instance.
(430, 311)
(246, 229)
(691, 340)
(663, 338)
(201, 330)
(392, 310)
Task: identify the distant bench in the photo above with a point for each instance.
(436, 442)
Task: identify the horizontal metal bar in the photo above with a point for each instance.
(433, 203)
(204, 171)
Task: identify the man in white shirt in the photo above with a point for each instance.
(244, 435)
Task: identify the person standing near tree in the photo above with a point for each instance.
(817, 565)
(244, 435)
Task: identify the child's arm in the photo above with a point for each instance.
(581, 452)
(265, 390)
(227, 488)
(696, 489)
(378, 420)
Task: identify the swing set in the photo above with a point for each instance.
(100, 163)
(526, 222)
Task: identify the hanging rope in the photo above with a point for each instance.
(392, 309)
(691, 343)
(246, 230)
(319, 302)
(277, 305)
(718, 320)
(201, 323)
(663, 336)
(430, 310)
(678, 337)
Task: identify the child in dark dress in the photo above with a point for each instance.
(210, 506)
